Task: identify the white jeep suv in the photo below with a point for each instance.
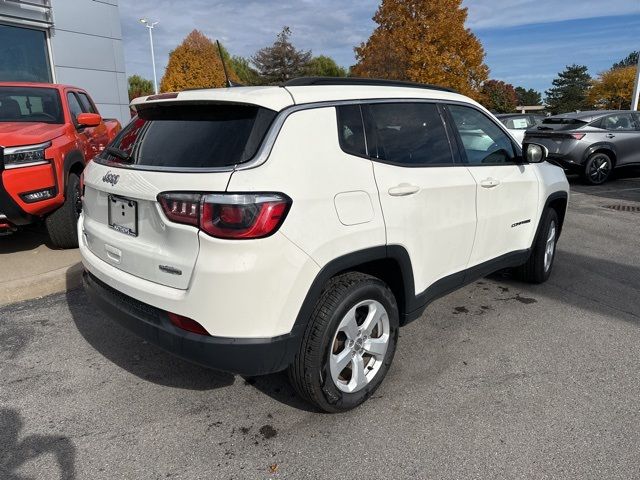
(257, 229)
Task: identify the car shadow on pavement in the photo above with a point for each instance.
(135, 355)
(623, 185)
(15, 452)
(27, 238)
(604, 287)
(278, 387)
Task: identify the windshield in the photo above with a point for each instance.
(30, 104)
(191, 136)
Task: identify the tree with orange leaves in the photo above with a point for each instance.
(195, 63)
(423, 41)
(612, 90)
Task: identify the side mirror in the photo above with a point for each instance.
(89, 120)
(534, 153)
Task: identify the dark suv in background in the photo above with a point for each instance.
(590, 143)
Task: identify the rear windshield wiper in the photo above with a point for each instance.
(121, 154)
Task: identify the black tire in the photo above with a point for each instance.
(61, 224)
(536, 270)
(597, 168)
(310, 372)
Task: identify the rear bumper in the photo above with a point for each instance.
(245, 356)
(567, 163)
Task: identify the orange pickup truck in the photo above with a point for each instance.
(48, 133)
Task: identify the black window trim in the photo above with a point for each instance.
(517, 160)
(74, 120)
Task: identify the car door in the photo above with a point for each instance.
(507, 187)
(99, 135)
(428, 202)
(623, 133)
(87, 146)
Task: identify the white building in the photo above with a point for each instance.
(75, 42)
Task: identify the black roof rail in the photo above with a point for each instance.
(377, 82)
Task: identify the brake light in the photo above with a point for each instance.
(228, 215)
(181, 207)
(578, 136)
(187, 324)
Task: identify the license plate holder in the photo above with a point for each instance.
(123, 215)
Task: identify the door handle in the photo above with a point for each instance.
(489, 183)
(403, 190)
(610, 135)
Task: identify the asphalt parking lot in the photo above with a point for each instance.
(498, 380)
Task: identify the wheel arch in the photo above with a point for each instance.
(607, 148)
(557, 201)
(73, 163)
(391, 264)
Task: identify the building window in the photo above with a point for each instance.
(24, 56)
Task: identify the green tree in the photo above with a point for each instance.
(498, 96)
(281, 61)
(528, 97)
(139, 87)
(628, 61)
(424, 41)
(245, 71)
(323, 66)
(195, 63)
(570, 90)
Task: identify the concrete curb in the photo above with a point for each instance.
(36, 286)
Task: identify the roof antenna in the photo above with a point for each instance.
(224, 67)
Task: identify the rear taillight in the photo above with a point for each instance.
(228, 215)
(187, 324)
(578, 136)
(181, 207)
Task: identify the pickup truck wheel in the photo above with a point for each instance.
(348, 345)
(597, 168)
(61, 224)
(538, 267)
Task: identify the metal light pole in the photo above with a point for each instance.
(636, 89)
(150, 26)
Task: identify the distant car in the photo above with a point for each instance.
(48, 133)
(518, 123)
(590, 143)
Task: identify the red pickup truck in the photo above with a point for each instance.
(48, 133)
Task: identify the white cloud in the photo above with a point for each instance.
(509, 13)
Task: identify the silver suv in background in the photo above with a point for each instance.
(590, 143)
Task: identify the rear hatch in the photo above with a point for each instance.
(169, 147)
(556, 133)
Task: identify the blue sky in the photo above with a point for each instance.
(527, 42)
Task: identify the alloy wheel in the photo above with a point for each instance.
(550, 247)
(359, 346)
(600, 168)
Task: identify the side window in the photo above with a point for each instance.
(410, 134)
(351, 130)
(74, 106)
(619, 121)
(87, 106)
(484, 142)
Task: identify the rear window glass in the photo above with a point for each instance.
(561, 123)
(191, 136)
